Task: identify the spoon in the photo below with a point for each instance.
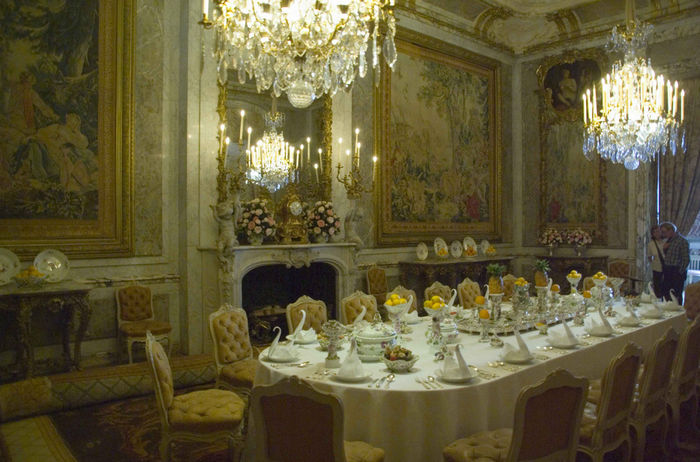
(431, 379)
(389, 378)
(422, 383)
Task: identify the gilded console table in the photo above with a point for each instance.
(418, 275)
(66, 298)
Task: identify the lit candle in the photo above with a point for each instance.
(205, 7)
(222, 127)
(302, 155)
(308, 149)
(682, 105)
(250, 130)
(340, 151)
(240, 133)
(669, 101)
(228, 141)
(358, 154)
(595, 104)
(316, 170)
(348, 159)
(320, 159)
(247, 154)
(585, 118)
(588, 105)
(675, 98)
(374, 168)
(357, 136)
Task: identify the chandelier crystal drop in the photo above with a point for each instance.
(639, 114)
(270, 160)
(304, 48)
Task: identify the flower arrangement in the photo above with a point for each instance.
(577, 236)
(256, 220)
(551, 236)
(321, 220)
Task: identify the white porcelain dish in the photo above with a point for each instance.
(484, 246)
(53, 264)
(422, 251)
(9, 266)
(456, 249)
(441, 250)
(342, 378)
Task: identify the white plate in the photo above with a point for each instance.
(469, 242)
(456, 249)
(599, 334)
(516, 361)
(340, 378)
(368, 358)
(265, 357)
(422, 251)
(9, 266)
(301, 342)
(53, 264)
(484, 245)
(438, 372)
(562, 346)
(439, 245)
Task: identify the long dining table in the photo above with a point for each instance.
(412, 423)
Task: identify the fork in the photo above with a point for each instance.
(422, 383)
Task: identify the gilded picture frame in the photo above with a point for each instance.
(69, 176)
(572, 188)
(438, 143)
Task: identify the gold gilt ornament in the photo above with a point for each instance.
(292, 228)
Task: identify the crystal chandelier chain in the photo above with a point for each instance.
(303, 47)
(639, 114)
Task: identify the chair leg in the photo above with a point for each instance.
(170, 346)
(165, 448)
(129, 344)
(640, 443)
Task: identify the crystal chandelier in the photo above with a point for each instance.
(639, 115)
(271, 160)
(302, 47)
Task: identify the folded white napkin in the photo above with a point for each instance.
(450, 304)
(282, 352)
(351, 367)
(456, 368)
(410, 318)
(651, 312)
(359, 321)
(673, 297)
(302, 335)
(630, 319)
(666, 305)
(519, 353)
(561, 336)
(649, 295)
(598, 327)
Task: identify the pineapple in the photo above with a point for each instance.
(495, 278)
(541, 277)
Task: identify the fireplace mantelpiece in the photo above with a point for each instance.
(247, 257)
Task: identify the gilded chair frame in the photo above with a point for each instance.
(365, 299)
(653, 389)
(461, 288)
(613, 385)
(304, 300)
(130, 340)
(225, 309)
(560, 378)
(294, 386)
(686, 370)
(438, 288)
(236, 437)
(691, 300)
(403, 292)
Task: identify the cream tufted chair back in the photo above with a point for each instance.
(316, 314)
(691, 301)
(403, 292)
(162, 375)
(439, 289)
(351, 307)
(588, 283)
(134, 303)
(467, 291)
(233, 354)
(508, 287)
(376, 283)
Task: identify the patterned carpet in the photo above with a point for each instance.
(121, 431)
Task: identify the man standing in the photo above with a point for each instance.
(676, 261)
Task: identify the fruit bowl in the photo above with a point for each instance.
(398, 359)
(30, 281)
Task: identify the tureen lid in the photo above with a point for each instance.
(377, 329)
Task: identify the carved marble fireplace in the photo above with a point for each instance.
(341, 257)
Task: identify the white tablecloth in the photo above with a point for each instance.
(414, 424)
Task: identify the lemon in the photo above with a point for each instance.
(555, 288)
(436, 305)
(436, 298)
(394, 296)
(484, 314)
(389, 302)
(586, 294)
(479, 300)
(402, 300)
(427, 304)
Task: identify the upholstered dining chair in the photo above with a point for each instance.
(299, 423)
(376, 283)
(620, 269)
(403, 292)
(650, 405)
(351, 307)
(203, 415)
(439, 289)
(233, 353)
(691, 300)
(135, 317)
(588, 283)
(605, 425)
(683, 395)
(467, 291)
(508, 287)
(316, 314)
(546, 426)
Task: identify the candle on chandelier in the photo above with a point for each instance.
(340, 148)
(348, 160)
(308, 149)
(240, 133)
(585, 109)
(357, 156)
(682, 105)
(675, 98)
(316, 170)
(250, 130)
(205, 7)
(301, 160)
(374, 168)
(357, 137)
(669, 101)
(320, 158)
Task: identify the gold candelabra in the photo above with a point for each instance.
(352, 181)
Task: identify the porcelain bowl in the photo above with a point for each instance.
(31, 281)
(399, 365)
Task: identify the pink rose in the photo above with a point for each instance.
(246, 214)
(337, 224)
(317, 230)
(268, 231)
(251, 225)
(321, 209)
(258, 230)
(321, 223)
(330, 220)
(257, 220)
(331, 231)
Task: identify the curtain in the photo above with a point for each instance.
(680, 174)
